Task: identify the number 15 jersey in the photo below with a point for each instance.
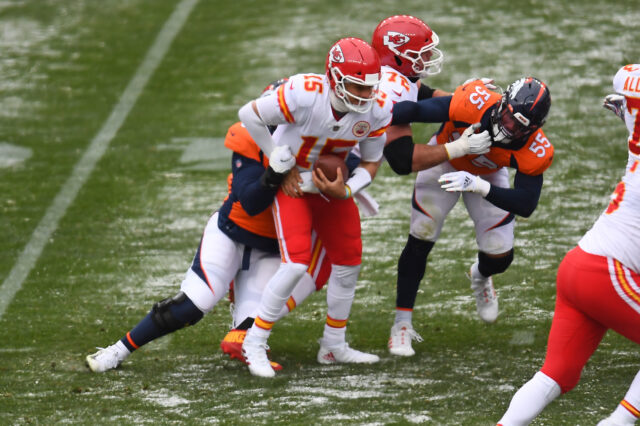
(302, 110)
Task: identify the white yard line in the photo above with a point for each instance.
(92, 155)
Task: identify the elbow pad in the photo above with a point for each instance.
(399, 154)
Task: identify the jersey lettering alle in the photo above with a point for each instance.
(627, 82)
(301, 108)
(468, 104)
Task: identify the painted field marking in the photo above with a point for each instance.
(49, 223)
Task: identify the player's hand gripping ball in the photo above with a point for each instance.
(329, 164)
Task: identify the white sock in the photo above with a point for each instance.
(278, 290)
(121, 350)
(403, 315)
(530, 400)
(334, 336)
(626, 412)
(305, 287)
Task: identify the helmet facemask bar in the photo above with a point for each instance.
(427, 61)
(508, 126)
(354, 102)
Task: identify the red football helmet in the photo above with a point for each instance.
(352, 60)
(408, 45)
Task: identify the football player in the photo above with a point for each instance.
(318, 114)
(513, 122)
(598, 283)
(408, 51)
(239, 244)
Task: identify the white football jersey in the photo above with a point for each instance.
(616, 233)
(395, 87)
(627, 82)
(301, 108)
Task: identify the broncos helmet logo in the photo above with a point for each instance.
(394, 39)
(336, 55)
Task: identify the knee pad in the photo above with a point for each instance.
(493, 265)
(175, 312)
(345, 275)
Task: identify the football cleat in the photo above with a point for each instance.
(105, 359)
(254, 351)
(343, 354)
(232, 346)
(486, 298)
(402, 333)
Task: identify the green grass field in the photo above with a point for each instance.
(111, 161)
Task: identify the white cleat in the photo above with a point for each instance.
(486, 298)
(343, 354)
(402, 333)
(255, 354)
(105, 359)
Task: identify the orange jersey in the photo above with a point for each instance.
(468, 104)
(238, 140)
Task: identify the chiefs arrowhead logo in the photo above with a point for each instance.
(336, 54)
(394, 39)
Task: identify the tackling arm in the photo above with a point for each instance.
(250, 184)
(522, 199)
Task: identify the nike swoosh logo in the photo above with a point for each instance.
(397, 93)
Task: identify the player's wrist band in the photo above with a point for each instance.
(347, 191)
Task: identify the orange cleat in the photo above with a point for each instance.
(232, 346)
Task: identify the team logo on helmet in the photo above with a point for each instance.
(336, 55)
(361, 128)
(394, 39)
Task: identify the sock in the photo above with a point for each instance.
(279, 289)
(340, 293)
(121, 350)
(411, 267)
(530, 400)
(403, 315)
(628, 410)
(246, 324)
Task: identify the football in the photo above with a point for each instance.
(329, 164)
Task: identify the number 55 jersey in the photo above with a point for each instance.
(468, 105)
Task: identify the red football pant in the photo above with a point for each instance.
(337, 223)
(593, 294)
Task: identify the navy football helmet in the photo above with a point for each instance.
(522, 110)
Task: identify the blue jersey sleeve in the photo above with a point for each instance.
(432, 110)
(247, 186)
(522, 199)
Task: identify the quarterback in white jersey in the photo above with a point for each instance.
(598, 284)
(316, 115)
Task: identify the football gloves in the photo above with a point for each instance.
(469, 143)
(615, 103)
(281, 160)
(488, 82)
(464, 182)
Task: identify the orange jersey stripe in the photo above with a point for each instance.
(633, 410)
(265, 325)
(624, 283)
(283, 105)
(336, 323)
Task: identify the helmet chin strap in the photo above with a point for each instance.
(337, 103)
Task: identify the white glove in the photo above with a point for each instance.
(307, 184)
(469, 143)
(281, 159)
(488, 82)
(616, 103)
(464, 182)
